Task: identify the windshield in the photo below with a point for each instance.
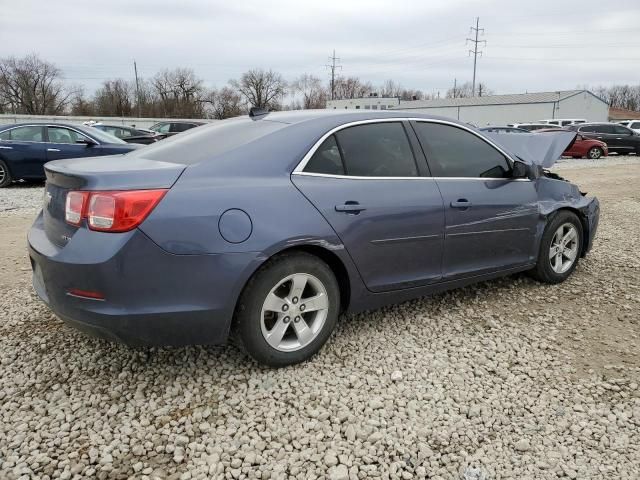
(103, 137)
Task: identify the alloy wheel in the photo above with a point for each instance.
(3, 173)
(564, 248)
(294, 312)
(595, 153)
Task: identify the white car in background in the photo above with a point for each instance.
(561, 122)
(528, 126)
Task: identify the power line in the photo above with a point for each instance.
(333, 67)
(475, 51)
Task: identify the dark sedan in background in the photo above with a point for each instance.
(274, 224)
(131, 134)
(173, 127)
(25, 148)
(619, 139)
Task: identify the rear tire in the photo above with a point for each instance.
(5, 175)
(560, 248)
(288, 310)
(595, 153)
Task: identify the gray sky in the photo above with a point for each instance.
(534, 46)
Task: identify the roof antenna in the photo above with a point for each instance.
(257, 111)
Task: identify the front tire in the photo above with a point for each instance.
(5, 175)
(288, 310)
(560, 248)
(595, 153)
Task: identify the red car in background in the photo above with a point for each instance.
(582, 147)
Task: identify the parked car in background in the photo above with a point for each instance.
(273, 225)
(632, 124)
(173, 127)
(528, 126)
(563, 122)
(130, 134)
(619, 139)
(25, 148)
(504, 130)
(582, 146)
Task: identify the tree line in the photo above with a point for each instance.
(31, 85)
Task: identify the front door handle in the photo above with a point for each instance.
(350, 207)
(461, 203)
(6, 148)
(53, 149)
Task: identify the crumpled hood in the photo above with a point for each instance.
(536, 148)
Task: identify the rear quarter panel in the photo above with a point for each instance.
(186, 222)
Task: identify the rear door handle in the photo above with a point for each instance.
(53, 150)
(461, 203)
(6, 148)
(350, 207)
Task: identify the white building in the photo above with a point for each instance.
(515, 108)
(365, 103)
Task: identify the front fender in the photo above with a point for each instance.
(555, 195)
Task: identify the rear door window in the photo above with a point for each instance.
(602, 129)
(377, 150)
(27, 134)
(455, 152)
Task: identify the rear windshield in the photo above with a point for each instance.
(198, 144)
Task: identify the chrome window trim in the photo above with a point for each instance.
(353, 177)
(299, 170)
(48, 125)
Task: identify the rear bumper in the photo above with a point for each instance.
(151, 297)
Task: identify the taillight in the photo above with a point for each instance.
(74, 207)
(113, 211)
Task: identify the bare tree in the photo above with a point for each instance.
(262, 89)
(465, 90)
(180, 93)
(115, 98)
(351, 87)
(390, 89)
(314, 95)
(32, 86)
(81, 105)
(224, 103)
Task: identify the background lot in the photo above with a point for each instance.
(506, 379)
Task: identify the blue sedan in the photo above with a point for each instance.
(272, 225)
(25, 148)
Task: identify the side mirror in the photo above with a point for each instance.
(520, 170)
(86, 141)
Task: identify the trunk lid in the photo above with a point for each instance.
(98, 173)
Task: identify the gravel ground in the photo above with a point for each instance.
(505, 379)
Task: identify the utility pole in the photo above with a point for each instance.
(475, 51)
(333, 67)
(455, 81)
(135, 69)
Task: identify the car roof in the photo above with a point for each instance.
(339, 117)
